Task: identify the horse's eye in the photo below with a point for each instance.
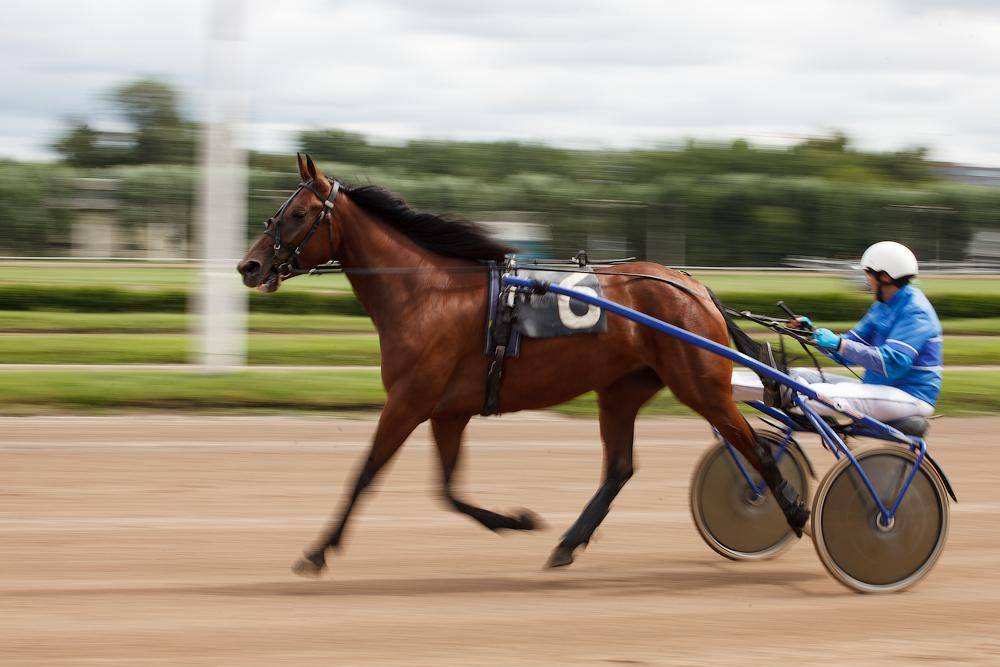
(299, 214)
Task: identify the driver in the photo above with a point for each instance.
(898, 342)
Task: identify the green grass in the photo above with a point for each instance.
(356, 349)
(162, 276)
(958, 350)
(328, 390)
(962, 393)
(63, 322)
(131, 275)
(988, 326)
(340, 390)
(783, 285)
(969, 392)
(271, 349)
(167, 289)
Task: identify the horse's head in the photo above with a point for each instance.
(301, 235)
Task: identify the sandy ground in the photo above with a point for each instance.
(149, 539)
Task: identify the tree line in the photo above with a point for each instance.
(700, 203)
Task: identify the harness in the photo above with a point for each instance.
(272, 227)
(502, 340)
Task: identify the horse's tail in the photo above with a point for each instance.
(741, 339)
(774, 394)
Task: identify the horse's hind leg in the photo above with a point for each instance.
(734, 428)
(704, 384)
(448, 437)
(619, 404)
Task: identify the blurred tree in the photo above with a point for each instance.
(147, 103)
(836, 142)
(338, 146)
(906, 165)
(84, 146)
(715, 203)
(79, 146)
(30, 222)
(159, 133)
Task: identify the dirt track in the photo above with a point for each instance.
(168, 540)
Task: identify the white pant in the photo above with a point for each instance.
(877, 401)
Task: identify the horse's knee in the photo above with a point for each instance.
(619, 474)
(621, 467)
(449, 499)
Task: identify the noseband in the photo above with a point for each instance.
(272, 227)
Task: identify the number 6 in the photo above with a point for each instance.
(566, 315)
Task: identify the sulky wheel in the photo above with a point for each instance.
(853, 541)
(731, 518)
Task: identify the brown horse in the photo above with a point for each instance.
(431, 326)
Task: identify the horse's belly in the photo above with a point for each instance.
(550, 372)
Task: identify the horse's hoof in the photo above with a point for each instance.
(528, 520)
(799, 518)
(308, 567)
(561, 557)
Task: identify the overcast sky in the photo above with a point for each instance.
(891, 73)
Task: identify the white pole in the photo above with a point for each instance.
(222, 302)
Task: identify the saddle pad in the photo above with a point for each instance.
(551, 315)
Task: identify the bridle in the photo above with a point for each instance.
(272, 228)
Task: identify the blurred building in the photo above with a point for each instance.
(94, 228)
(985, 248)
(532, 239)
(971, 175)
(97, 229)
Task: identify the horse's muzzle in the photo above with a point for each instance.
(251, 271)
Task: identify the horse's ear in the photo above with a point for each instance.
(303, 168)
(315, 173)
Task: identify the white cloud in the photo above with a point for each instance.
(891, 73)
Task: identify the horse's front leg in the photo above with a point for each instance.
(399, 417)
(448, 438)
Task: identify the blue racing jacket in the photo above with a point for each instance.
(899, 343)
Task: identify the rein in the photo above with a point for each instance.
(290, 267)
(778, 326)
(771, 323)
(335, 267)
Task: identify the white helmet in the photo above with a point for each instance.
(894, 258)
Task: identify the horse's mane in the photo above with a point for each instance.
(445, 235)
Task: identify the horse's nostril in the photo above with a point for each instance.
(248, 267)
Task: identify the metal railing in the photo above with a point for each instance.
(793, 264)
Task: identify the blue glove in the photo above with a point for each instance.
(804, 322)
(826, 339)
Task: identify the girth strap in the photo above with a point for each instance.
(502, 340)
